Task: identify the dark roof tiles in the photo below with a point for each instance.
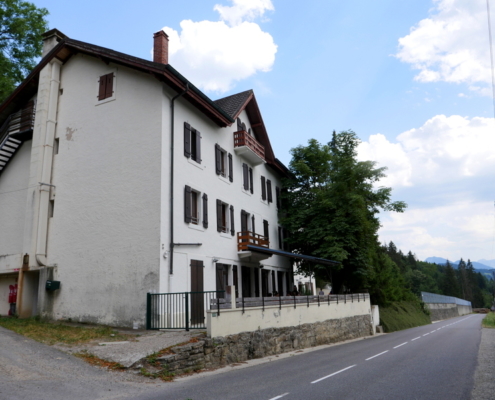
(233, 104)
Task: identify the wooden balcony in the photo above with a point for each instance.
(248, 147)
(246, 238)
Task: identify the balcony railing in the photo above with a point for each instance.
(246, 238)
(19, 122)
(243, 140)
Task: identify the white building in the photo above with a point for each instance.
(118, 177)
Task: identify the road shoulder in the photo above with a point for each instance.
(484, 381)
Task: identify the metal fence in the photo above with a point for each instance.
(440, 299)
(296, 301)
(186, 310)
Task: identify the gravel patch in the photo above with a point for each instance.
(484, 377)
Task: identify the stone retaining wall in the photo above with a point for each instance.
(220, 351)
(446, 311)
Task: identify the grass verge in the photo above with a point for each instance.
(56, 332)
(489, 320)
(402, 315)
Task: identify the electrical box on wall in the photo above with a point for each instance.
(52, 285)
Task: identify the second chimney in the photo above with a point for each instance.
(160, 47)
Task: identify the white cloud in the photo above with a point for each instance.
(243, 10)
(445, 171)
(216, 54)
(451, 45)
(444, 149)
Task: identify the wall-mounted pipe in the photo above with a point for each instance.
(47, 161)
(172, 110)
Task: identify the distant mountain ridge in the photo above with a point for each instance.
(487, 264)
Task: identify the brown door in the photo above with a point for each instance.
(264, 282)
(197, 295)
(280, 280)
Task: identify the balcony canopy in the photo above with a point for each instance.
(316, 260)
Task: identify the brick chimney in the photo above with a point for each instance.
(160, 47)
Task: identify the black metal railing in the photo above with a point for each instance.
(185, 310)
(247, 302)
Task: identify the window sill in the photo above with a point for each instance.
(104, 101)
(224, 179)
(226, 235)
(198, 227)
(196, 164)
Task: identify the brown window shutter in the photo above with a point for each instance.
(253, 228)
(251, 180)
(263, 188)
(109, 86)
(265, 229)
(245, 176)
(218, 159)
(101, 89)
(187, 204)
(231, 169)
(219, 215)
(269, 190)
(239, 124)
(232, 227)
(277, 195)
(187, 140)
(198, 147)
(205, 210)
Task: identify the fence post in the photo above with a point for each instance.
(187, 311)
(318, 300)
(294, 301)
(148, 311)
(263, 302)
(307, 300)
(243, 304)
(279, 302)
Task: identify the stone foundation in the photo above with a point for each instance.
(220, 351)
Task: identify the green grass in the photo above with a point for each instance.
(489, 320)
(56, 332)
(402, 315)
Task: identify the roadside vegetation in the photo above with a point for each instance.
(489, 320)
(58, 332)
(403, 315)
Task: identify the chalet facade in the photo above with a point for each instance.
(118, 177)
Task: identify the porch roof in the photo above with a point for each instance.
(282, 253)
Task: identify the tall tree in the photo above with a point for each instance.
(21, 26)
(332, 206)
(450, 283)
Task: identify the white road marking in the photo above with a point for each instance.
(335, 373)
(416, 338)
(386, 351)
(433, 331)
(400, 345)
(426, 334)
(279, 397)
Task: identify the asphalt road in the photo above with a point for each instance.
(431, 362)
(32, 371)
(435, 362)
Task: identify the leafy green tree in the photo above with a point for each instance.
(332, 204)
(21, 26)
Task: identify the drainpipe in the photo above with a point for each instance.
(172, 108)
(47, 161)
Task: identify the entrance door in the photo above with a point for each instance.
(280, 280)
(264, 282)
(197, 296)
(222, 279)
(246, 281)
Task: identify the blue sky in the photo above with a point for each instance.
(411, 78)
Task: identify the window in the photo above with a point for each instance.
(265, 230)
(105, 88)
(193, 206)
(192, 143)
(263, 188)
(247, 174)
(225, 217)
(223, 163)
(269, 190)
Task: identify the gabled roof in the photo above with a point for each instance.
(234, 104)
(222, 111)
